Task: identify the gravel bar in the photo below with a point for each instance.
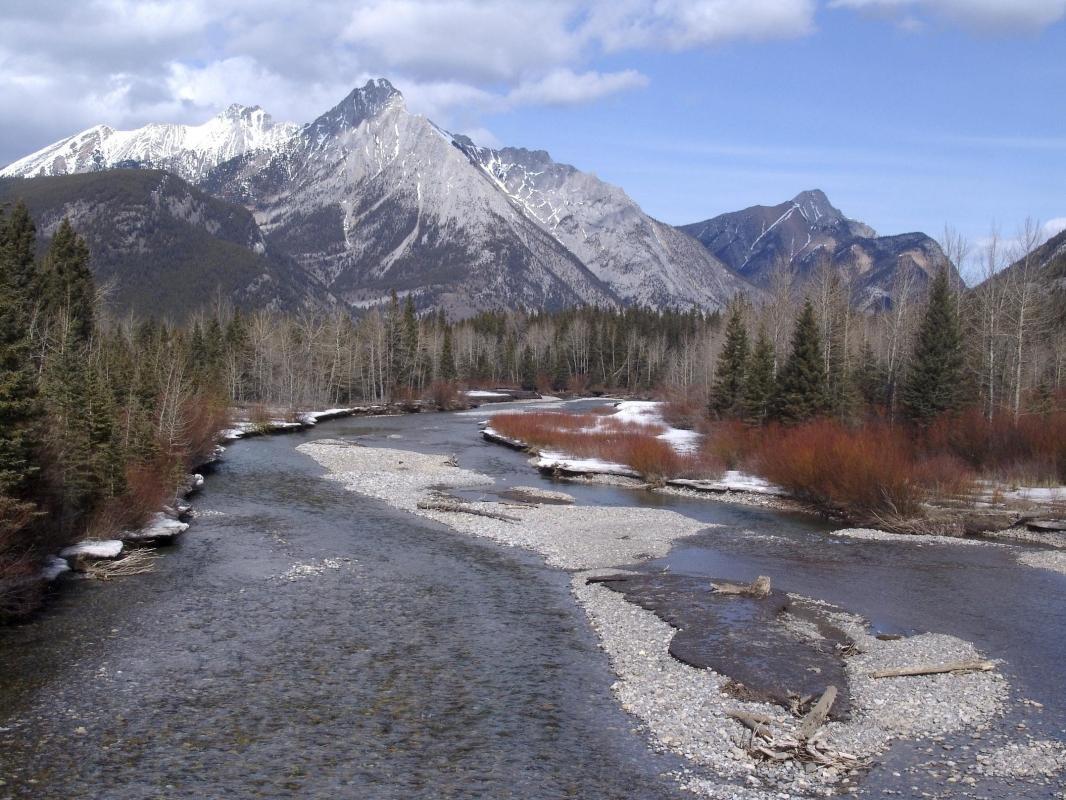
(681, 708)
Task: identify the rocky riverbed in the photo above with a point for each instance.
(682, 708)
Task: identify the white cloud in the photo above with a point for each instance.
(684, 24)
(1053, 227)
(463, 39)
(986, 15)
(565, 87)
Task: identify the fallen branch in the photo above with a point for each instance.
(758, 724)
(935, 669)
(460, 508)
(815, 718)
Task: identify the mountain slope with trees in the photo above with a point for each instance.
(163, 247)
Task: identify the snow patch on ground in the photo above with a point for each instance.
(94, 548)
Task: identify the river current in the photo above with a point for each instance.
(307, 642)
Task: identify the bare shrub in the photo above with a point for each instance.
(859, 472)
(444, 395)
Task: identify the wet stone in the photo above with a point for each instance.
(758, 643)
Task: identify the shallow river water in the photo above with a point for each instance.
(303, 641)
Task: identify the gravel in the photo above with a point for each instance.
(684, 709)
(918, 539)
(1054, 560)
(570, 537)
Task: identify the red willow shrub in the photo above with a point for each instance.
(1031, 449)
(862, 472)
(598, 435)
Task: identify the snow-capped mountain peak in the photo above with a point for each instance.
(191, 151)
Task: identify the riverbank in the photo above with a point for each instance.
(617, 446)
(681, 708)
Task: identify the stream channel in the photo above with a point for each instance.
(425, 664)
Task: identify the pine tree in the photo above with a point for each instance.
(20, 409)
(446, 371)
(66, 283)
(759, 383)
(934, 376)
(19, 240)
(410, 366)
(727, 394)
(801, 386)
(528, 369)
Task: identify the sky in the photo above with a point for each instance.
(909, 114)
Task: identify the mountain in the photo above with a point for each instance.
(368, 198)
(162, 247)
(807, 231)
(189, 151)
(643, 260)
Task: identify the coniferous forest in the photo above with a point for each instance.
(102, 416)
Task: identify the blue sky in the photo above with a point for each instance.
(910, 114)
(906, 130)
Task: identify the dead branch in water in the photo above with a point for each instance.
(459, 508)
(935, 669)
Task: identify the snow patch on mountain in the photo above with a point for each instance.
(190, 151)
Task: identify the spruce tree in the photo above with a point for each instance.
(934, 376)
(801, 385)
(528, 369)
(410, 359)
(727, 394)
(759, 382)
(446, 371)
(66, 283)
(20, 409)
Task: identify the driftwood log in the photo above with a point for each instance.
(460, 508)
(935, 669)
(815, 718)
(805, 743)
(758, 588)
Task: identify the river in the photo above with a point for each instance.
(404, 660)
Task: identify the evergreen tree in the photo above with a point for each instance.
(19, 240)
(446, 371)
(20, 409)
(409, 341)
(66, 283)
(528, 369)
(560, 367)
(801, 386)
(727, 394)
(759, 383)
(934, 376)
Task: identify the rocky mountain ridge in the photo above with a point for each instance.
(369, 198)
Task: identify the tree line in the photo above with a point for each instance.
(99, 422)
(101, 416)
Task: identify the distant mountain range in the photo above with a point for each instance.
(806, 231)
(368, 198)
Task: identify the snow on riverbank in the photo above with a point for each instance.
(649, 413)
(683, 709)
